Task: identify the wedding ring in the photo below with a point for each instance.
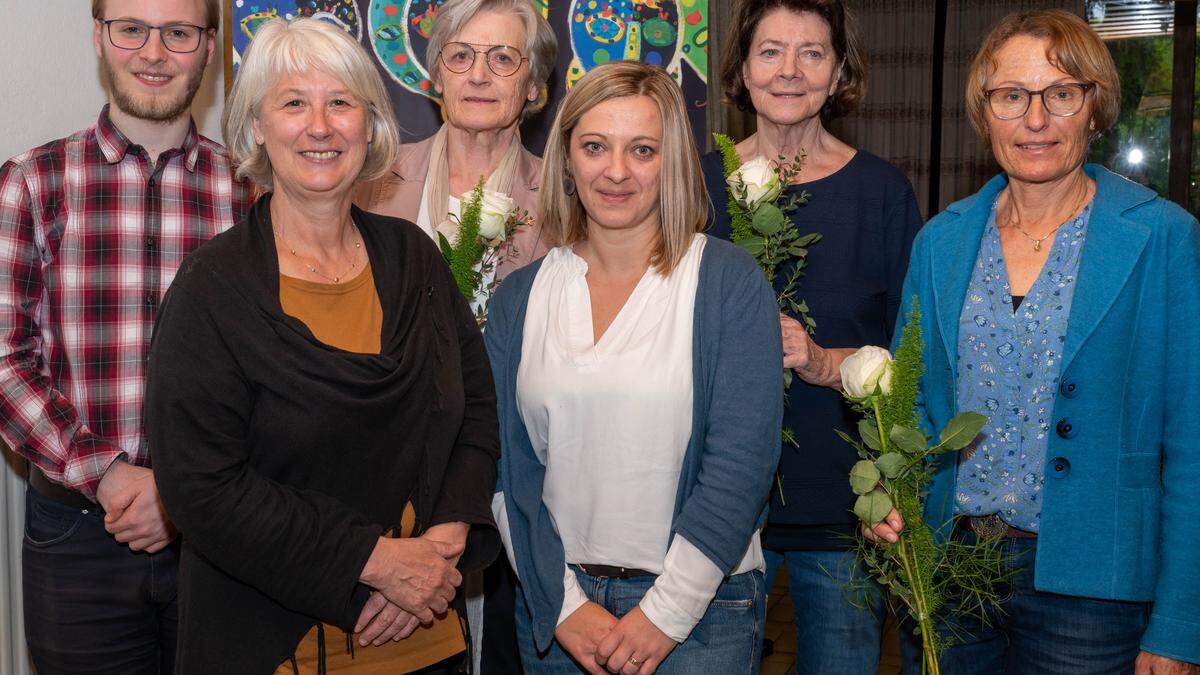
(634, 660)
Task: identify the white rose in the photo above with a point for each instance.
(495, 211)
(865, 368)
(760, 181)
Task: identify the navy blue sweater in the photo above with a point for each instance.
(867, 215)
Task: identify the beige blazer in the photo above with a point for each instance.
(398, 194)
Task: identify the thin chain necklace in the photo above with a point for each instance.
(313, 269)
(1015, 222)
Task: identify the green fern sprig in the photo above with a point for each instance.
(900, 406)
(465, 254)
(739, 222)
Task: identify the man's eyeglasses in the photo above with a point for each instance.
(1060, 100)
(181, 38)
(459, 57)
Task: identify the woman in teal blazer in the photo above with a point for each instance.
(1063, 301)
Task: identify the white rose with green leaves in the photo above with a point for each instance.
(495, 209)
(865, 369)
(755, 183)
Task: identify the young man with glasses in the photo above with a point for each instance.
(92, 230)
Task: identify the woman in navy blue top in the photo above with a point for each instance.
(797, 64)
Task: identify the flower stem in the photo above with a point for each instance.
(929, 662)
(883, 436)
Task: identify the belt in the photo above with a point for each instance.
(992, 526)
(57, 493)
(611, 572)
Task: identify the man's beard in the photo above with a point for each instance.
(156, 108)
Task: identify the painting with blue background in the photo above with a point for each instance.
(668, 33)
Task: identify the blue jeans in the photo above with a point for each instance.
(728, 640)
(839, 612)
(91, 604)
(1040, 632)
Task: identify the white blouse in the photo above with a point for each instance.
(611, 421)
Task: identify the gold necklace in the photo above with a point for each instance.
(1037, 241)
(313, 269)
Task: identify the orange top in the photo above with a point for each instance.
(349, 317)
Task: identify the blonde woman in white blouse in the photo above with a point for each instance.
(637, 375)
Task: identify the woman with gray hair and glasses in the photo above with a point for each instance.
(490, 61)
(319, 404)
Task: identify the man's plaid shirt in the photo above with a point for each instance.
(91, 235)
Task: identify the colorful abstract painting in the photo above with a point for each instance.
(660, 32)
(668, 33)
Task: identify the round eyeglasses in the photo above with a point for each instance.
(181, 38)
(459, 57)
(1060, 100)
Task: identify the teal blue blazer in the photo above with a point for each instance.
(1121, 507)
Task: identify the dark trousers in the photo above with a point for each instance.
(499, 654)
(1040, 633)
(92, 605)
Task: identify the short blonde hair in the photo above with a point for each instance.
(212, 12)
(280, 48)
(1073, 48)
(541, 45)
(683, 198)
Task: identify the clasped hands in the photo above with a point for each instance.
(133, 512)
(414, 580)
(601, 643)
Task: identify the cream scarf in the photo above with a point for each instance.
(438, 177)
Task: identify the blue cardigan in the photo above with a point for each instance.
(1120, 504)
(736, 418)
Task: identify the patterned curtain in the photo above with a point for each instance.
(966, 163)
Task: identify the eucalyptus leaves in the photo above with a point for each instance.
(930, 580)
(759, 222)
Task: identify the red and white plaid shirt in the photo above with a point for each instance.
(91, 235)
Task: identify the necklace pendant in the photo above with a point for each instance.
(1037, 245)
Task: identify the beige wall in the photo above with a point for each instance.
(49, 79)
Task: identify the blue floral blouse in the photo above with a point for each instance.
(1008, 369)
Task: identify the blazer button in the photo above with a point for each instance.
(1059, 467)
(1069, 388)
(1065, 429)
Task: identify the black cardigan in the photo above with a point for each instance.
(282, 459)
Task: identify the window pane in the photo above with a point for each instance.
(1139, 37)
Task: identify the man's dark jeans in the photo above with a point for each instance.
(92, 605)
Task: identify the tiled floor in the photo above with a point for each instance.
(781, 629)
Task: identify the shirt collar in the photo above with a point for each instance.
(115, 145)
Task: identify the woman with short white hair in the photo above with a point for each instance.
(318, 393)
(490, 61)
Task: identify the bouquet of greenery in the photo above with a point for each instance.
(476, 243)
(759, 222)
(923, 578)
